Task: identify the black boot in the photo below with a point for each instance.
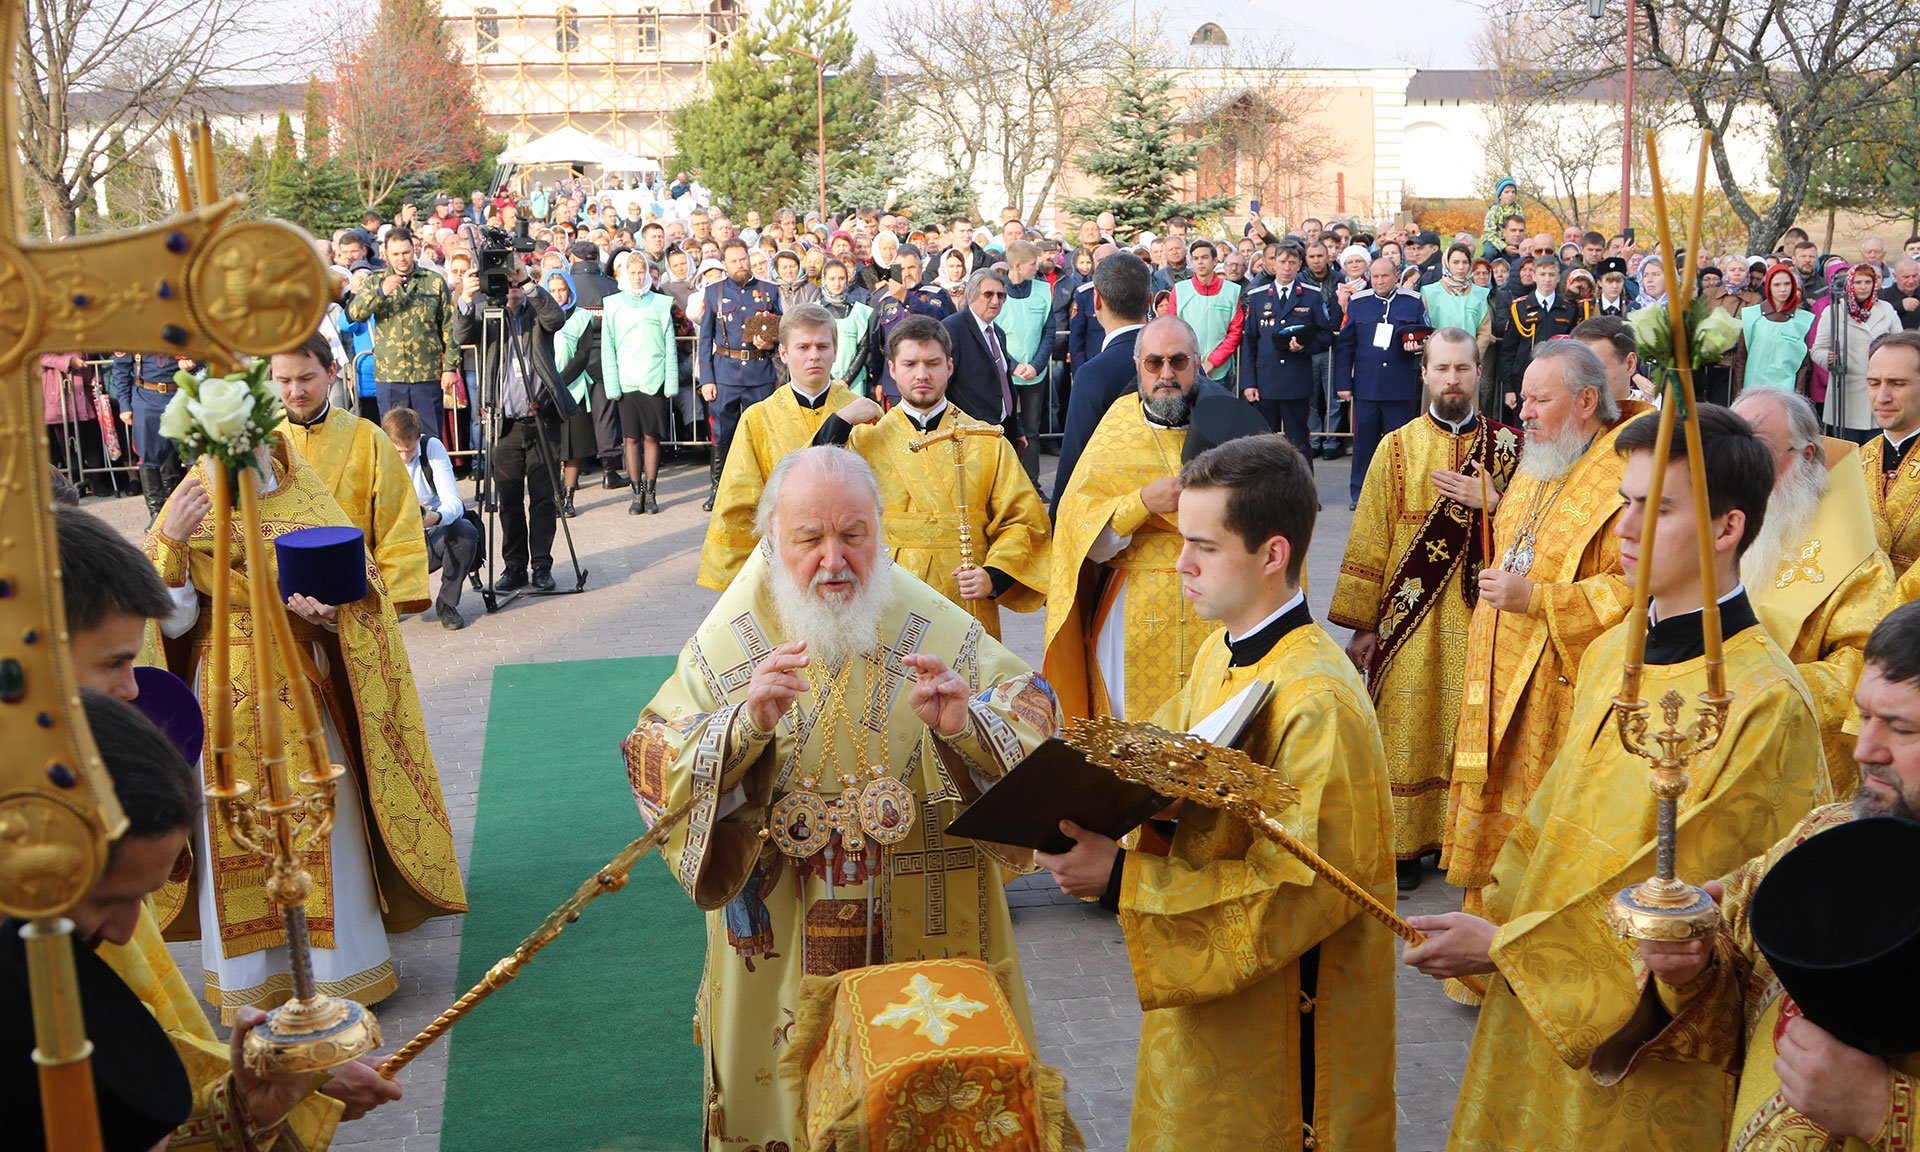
(653, 496)
(713, 491)
(566, 503)
(614, 480)
(639, 505)
(150, 489)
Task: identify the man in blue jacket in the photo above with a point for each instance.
(142, 387)
(1285, 328)
(735, 371)
(1118, 296)
(1376, 361)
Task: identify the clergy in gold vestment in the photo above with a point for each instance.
(1268, 996)
(825, 669)
(1007, 524)
(1556, 588)
(1120, 637)
(1717, 1000)
(1892, 467)
(1561, 980)
(386, 872)
(1815, 573)
(1410, 578)
(768, 430)
(362, 469)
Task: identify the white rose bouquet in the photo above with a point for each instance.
(1711, 334)
(226, 417)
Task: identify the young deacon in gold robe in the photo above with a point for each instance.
(1268, 996)
(360, 466)
(1554, 588)
(1716, 1000)
(768, 430)
(111, 592)
(1816, 575)
(1891, 466)
(1409, 581)
(1120, 637)
(384, 872)
(825, 669)
(1560, 979)
(1011, 535)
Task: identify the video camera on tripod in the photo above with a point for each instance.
(494, 259)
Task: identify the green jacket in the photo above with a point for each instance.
(413, 341)
(637, 352)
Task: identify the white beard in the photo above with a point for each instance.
(1790, 511)
(1548, 459)
(835, 630)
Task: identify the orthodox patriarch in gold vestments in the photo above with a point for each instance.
(1565, 979)
(1729, 1019)
(1121, 636)
(1268, 996)
(218, 1118)
(1820, 592)
(1519, 682)
(1893, 487)
(387, 870)
(788, 893)
(1411, 575)
(360, 466)
(768, 430)
(1011, 533)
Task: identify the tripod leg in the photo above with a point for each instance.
(552, 465)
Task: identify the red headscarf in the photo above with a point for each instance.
(1793, 280)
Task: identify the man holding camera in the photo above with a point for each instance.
(522, 452)
(416, 357)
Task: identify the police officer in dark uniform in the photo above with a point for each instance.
(736, 372)
(1376, 360)
(142, 386)
(898, 298)
(1285, 328)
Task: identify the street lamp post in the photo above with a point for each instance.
(1597, 9)
(820, 109)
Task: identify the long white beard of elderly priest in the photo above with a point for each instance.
(830, 717)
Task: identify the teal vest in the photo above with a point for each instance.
(1024, 320)
(1445, 310)
(850, 347)
(637, 352)
(1775, 348)
(565, 343)
(1209, 316)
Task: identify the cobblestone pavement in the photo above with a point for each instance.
(641, 600)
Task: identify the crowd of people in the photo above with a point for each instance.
(877, 394)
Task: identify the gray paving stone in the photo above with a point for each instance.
(641, 600)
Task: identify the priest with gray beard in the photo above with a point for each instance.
(1816, 576)
(828, 720)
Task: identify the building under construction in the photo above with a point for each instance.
(614, 70)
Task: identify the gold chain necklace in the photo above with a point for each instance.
(1519, 556)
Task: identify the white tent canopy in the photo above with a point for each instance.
(571, 146)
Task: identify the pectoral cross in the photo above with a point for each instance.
(957, 436)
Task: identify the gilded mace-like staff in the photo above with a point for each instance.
(1666, 907)
(610, 878)
(957, 436)
(1185, 767)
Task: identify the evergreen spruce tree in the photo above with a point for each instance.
(1139, 155)
(314, 121)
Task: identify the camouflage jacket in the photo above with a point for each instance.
(413, 337)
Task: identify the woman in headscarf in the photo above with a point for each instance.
(853, 327)
(1455, 301)
(953, 277)
(641, 363)
(1843, 338)
(886, 248)
(570, 350)
(1653, 283)
(1354, 262)
(760, 264)
(1772, 352)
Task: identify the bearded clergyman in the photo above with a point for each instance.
(828, 720)
(1555, 587)
(1815, 573)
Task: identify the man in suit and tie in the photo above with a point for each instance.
(982, 372)
(1120, 291)
(1375, 364)
(1286, 327)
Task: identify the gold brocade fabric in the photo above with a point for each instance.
(1728, 1020)
(922, 1055)
(1010, 528)
(767, 431)
(145, 966)
(1519, 681)
(1896, 502)
(1163, 633)
(368, 686)
(1417, 694)
(1217, 930)
(774, 920)
(1566, 980)
(1832, 587)
(1908, 589)
(363, 470)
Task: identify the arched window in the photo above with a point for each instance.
(1211, 34)
(486, 31)
(566, 32)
